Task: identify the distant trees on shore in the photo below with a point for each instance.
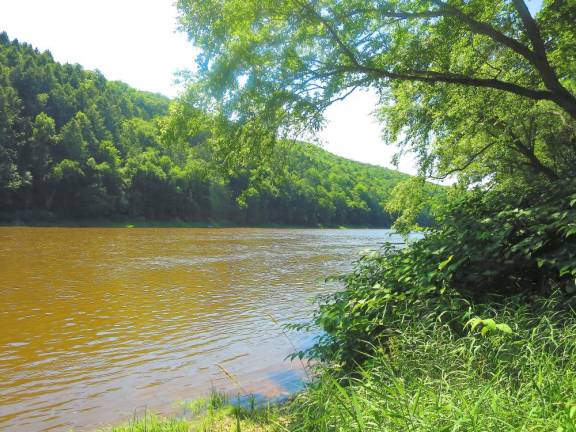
(74, 145)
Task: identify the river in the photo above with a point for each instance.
(97, 324)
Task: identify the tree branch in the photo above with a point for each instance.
(555, 91)
(536, 57)
(533, 160)
(531, 28)
(333, 33)
(475, 25)
(433, 77)
(399, 15)
(487, 30)
(467, 164)
(548, 74)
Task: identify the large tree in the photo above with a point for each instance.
(460, 81)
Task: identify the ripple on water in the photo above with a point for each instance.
(98, 323)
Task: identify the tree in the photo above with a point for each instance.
(75, 145)
(67, 181)
(73, 142)
(37, 157)
(275, 66)
(10, 111)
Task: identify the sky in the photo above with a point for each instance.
(136, 41)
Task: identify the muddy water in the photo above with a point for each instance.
(99, 323)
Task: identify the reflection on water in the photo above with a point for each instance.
(97, 323)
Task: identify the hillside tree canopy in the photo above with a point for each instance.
(75, 146)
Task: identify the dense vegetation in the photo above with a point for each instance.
(510, 371)
(75, 146)
(485, 250)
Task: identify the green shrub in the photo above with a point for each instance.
(432, 378)
(491, 245)
(509, 242)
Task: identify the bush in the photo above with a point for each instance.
(490, 245)
(509, 242)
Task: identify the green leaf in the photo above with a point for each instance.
(473, 323)
(445, 262)
(505, 328)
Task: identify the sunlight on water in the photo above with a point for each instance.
(97, 323)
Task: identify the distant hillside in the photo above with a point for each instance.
(334, 190)
(75, 146)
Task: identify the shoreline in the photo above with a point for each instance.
(250, 394)
(167, 224)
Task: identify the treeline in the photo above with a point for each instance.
(76, 146)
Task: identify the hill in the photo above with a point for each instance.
(75, 146)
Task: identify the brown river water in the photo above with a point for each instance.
(100, 324)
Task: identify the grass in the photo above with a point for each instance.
(432, 378)
(217, 413)
(151, 423)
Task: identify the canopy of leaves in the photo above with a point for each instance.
(478, 87)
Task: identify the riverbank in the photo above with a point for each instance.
(174, 223)
(215, 413)
(435, 375)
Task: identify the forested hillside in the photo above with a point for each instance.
(76, 146)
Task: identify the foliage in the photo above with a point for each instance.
(74, 146)
(430, 376)
(60, 126)
(481, 88)
(488, 243)
(488, 326)
(508, 242)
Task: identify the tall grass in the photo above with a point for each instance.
(152, 423)
(431, 377)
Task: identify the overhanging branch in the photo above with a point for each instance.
(555, 91)
(433, 77)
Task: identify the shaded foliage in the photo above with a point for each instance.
(489, 245)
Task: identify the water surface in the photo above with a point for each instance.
(99, 323)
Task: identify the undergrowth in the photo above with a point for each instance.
(429, 377)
